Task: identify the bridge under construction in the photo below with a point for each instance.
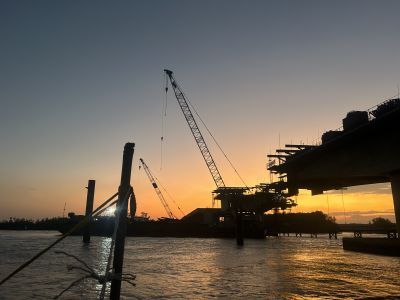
(365, 150)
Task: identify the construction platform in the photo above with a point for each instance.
(382, 246)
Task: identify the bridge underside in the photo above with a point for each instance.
(365, 155)
(369, 154)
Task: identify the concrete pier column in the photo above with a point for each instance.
(239, 228)
(395, 182)
(89, 209)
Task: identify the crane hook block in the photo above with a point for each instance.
(168, 72)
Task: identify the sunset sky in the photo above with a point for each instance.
(79, 79)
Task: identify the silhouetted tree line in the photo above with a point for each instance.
(381, 223)
(29, 224)
(314, 222)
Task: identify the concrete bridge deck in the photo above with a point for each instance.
(365, 154)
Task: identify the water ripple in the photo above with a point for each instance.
(168, 268)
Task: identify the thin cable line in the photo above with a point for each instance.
(165, 190)
(215, 141)
(344, 210)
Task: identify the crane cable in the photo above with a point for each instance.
(164, 119)
(165, 190)
(215, 141)
(327, 202)
(344, 210)
(169, 195)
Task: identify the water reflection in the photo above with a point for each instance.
(168, 268)
(102, 253)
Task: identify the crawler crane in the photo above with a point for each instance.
(255, 200)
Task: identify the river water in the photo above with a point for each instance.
(191, 268)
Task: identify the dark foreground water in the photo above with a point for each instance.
(170, 268)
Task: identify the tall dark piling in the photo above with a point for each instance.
(122, 206)
(239, 228)
(89, 208)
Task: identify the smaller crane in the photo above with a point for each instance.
(158, 192)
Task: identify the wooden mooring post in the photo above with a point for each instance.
(122, 205)
(89, 209)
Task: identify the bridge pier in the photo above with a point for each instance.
(395, 182)
(239, 228)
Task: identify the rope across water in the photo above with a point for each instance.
(90, 273)
(83, 222)
(107, 272)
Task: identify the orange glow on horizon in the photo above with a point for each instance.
(189, 192)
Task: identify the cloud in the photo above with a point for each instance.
(27, 188)
(18, 188)
(362, 216)
(380, 188)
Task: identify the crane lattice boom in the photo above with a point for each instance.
(196, 131)
(158, 192)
